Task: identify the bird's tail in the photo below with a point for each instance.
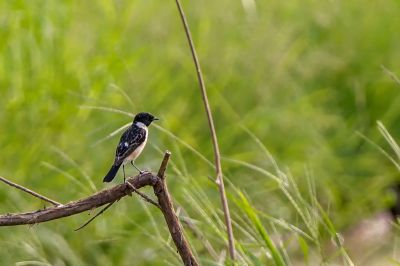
(111, 174)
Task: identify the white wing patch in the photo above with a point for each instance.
(126, 144)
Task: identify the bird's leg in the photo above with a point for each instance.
(123, 170)
(140, 171)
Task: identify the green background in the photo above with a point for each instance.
(307, 78)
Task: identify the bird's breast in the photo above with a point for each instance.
(136, 152)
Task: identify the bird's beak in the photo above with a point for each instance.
(156, 118)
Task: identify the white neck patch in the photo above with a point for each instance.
(141, 125)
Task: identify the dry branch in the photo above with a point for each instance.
(109, 196)
(167, 208)
(99, 199)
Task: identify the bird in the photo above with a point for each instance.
(131, 144)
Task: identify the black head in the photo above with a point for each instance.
(144, 118)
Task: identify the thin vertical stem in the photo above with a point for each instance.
(217, 156)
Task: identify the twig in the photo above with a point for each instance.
(94, 217)
(33, 193)
(144, 196)
(217, 156)
(164, 164)
(167, 208)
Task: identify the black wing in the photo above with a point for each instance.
(130, 140)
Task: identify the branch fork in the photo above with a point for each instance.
(108, 197)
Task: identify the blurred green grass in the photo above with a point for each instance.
(302, 76)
